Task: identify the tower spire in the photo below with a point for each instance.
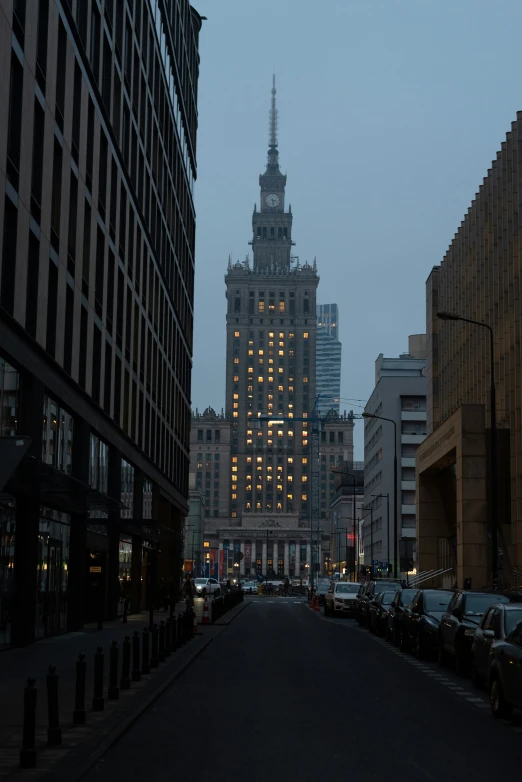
(272, 143)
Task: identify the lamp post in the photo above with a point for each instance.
(395, 492)
(268, 532)
(352, 477)
(387, 522)
(493, 441)
(370, 508)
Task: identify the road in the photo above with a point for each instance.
(283, 694)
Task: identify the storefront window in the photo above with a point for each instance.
(127, 490)
(52, 573)
(147, 499)
(99, 464)
(7, 545)
(9, 381)
(57, 436)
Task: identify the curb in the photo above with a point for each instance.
(223, 621)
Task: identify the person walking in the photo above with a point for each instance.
(188, 591)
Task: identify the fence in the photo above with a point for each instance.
(223, 603)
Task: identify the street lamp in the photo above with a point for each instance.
(236, 565)
(352, 476)
(370, 508)
(395, 492)
(268, 532)
(493, 440)
(387, 522)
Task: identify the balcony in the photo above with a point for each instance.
(408, 510)
(408, 485)
(413, 439)
(411, 415)
(408, 461)
(408, 532)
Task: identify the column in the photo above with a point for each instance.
(220, 549)
(297, 558)
(264, 558)
(253, 562)
(242, 561)
(309, 556)
(287, 559)
(274, 556)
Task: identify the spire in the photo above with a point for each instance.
(272, 143)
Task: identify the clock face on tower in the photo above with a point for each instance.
(272, 199)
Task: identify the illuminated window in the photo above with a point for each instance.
(261, 306)
(249, 441)
(258, 505)
(259, 459)
(270, 360)
(250, 388)
(248, 506)
(281, 306)
(236, 378)
(249, 459)
(248, 487)
(291, 335)
(279, 506)
(250, 341)
(248, 477)
(270, 397)
(291, 353)
(234, 496)
(270, 405)
(234, 477)
(305, 442)
(250, 352)
(281, 344)
(303, 497)
(259, 468)
(234, 468)
(281, 352)
(280, 432)
(270, 442)
(260, 379)
(279, 487)
(236, 360)
(236, 405)
(269, 477)
(281, 388)
(305, 433)
(249, 414)
(305, 335)
(281, 370)
(305, 415)
(259, 434)
(304, 460)
(236, 333)
(234, 514)
(290, 478)
(290, 460)
(261, 352)
(235, 414)
(279, 469)
(269, 433)
(234, 460)
(291, 407)
(290, 433)
(271, 334)
(290, 496)
(236, 396)
(305, 379)
(304, 478)
(270, 344)
(250, 370)
(290, 388)
(259, 487)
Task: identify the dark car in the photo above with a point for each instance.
(497, 623)
(378, 612)
(419, 630)
(322, 588)
(372, 589)
(505, 674)
(393, 626)
(458, 625)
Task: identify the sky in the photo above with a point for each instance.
(390, 113)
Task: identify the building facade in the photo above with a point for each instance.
(399, 395)
(210, 440)
(97, 224)
(328, 359)
(478, 278)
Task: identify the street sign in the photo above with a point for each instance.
(375, 561)
(385, 564)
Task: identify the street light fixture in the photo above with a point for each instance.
(395, 492)
(493, 440)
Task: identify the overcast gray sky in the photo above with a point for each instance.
(390, 112)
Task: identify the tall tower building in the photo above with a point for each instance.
(271, 354)
(328, 361)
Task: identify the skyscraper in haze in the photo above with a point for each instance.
(328, 358)
(271, 330)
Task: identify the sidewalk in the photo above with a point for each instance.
(81, 742)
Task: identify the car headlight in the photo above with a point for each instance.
(469, 631)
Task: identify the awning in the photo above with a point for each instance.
(57, 489)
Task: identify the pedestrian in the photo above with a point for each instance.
(287, 587)
(188, 591)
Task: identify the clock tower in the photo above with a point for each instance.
(272, 226)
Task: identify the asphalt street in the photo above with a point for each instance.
(283, 694)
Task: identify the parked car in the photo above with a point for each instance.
(210, 585)
(505, 674)
(401, 599)
(322, 588)
(378, 612)
(419, 628)
(250, 587)
(458, 625)
(372, 589)
(497, 623)
(341, 598)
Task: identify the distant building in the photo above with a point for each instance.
(328, 358)
(193, 529)
(210, 460)
(344, 532)
(399, 395)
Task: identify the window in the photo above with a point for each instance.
(14, 127)
(52, 302)
(41, 44)
(31, 295)
(73, 214)
(61, 69)
(305, 335)
(7, 289)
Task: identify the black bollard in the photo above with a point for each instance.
(54, 732)
(124, 620)
(79, 713)
(113, 693)
(98, 703)
(172, 607)
(28, 751)
(145, 666)
(125, 680)
(168, 637)
(136, 671)
(161, 646)
(154, 648)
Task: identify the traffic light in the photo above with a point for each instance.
(379, 571)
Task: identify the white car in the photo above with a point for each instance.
(249, 586)
(341, 598)
(211, 586)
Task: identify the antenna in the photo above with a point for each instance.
(273, 117)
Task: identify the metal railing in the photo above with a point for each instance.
(426, 575)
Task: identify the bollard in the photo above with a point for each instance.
(97, 701)
(113, 692)
(136, 670)
(28, 751)
(79, 713)
(124, 620)
(154, 648)
(125, 680)
(145, 665)
(172, 608)
(161, 645)
(54, 732)
(168, 637)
